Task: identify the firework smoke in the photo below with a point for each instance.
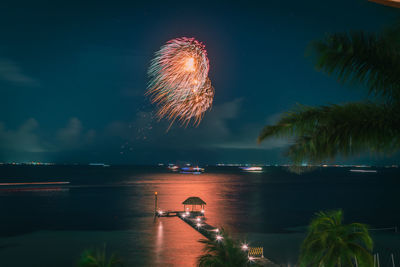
(179, 82)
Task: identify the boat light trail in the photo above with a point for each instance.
(34, 183)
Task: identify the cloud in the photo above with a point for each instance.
(71, 132)
(216, 123)
(30, 138)
(73, 136)
(147, 131)
(272, 143)
(214, 127)
(246, 137)
(11, 72)
(143, 135)
(215, 131)
(24, 139)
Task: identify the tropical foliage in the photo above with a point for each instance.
(331, 243)
(98, 258)
(324, 132)
(222, 253)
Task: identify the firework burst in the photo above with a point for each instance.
(179, 82)
(193, 107)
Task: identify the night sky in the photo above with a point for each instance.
(73, 76)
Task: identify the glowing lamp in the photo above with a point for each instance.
(202, 211)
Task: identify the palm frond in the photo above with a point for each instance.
(322, 133)
(98, 258)
(371, 60)
(329, 242)
(328, 131)
(221, 253)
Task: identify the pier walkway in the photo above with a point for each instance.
(193, 215)
(196, 220)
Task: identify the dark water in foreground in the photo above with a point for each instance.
(114, 205)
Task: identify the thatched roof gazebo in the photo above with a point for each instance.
(195, 202)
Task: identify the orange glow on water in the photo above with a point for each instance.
(174, 188)
(171, 234)
(175, 243)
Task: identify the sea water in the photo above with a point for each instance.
(114, 207)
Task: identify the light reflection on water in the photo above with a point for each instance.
(116, 205)
(217, 191)
(176, 242)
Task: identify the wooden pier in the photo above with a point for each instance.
(195, 218)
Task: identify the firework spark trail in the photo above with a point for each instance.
(179, 82)
(193, 106)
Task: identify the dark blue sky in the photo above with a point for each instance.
(73, 76)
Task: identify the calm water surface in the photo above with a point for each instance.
(114, 206)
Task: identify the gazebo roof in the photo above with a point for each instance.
(194, 201)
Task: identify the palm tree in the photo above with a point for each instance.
(98, 258)
(330, 243)
(325, 132)
(222, 252)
